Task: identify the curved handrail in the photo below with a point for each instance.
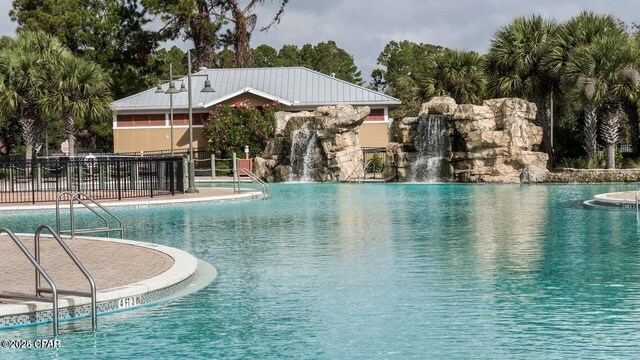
(39, 271)
(254, 178)
(637, 201)
(76, 196)
(83, 270)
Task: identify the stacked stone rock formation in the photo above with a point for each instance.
(489, 143)
(337, 129)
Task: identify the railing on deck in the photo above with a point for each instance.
(99, 177)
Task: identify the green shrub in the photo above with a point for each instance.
(229, 128)
(377, 163)
(574, 163)
(631, 163)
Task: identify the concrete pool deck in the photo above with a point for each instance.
(208, 194)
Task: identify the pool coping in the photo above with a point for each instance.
(621, 198)
(137, 202)
(165, 285)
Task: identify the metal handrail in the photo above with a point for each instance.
(364, 171)
(637, 202)
(92, 284)
(254, 178)
(73, 231)
(41, 271)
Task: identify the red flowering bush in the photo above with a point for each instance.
(229, 128)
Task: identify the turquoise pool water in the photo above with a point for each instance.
(383, 271)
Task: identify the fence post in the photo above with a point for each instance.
(81, 176)
(101, 167)
(235, 172)
(185, 174)
(79, 172)
(39, 176)
(162, 168)
(11, 167)
(134, 175)
(69, 166)
(213, 166)
(118, 185)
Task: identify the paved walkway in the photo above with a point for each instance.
(204, 195)
(110, 264)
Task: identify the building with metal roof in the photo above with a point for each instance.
(142, 122)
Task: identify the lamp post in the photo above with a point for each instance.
(172, 90)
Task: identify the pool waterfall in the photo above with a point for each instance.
(303, 149)
(431, 149)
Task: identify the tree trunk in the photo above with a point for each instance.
(70, 129)
(610, 133)
(590, 133)
(203, 33)
(28, 136)
(543, 120)
(611, 156)
(241, 39)
(72, 145)
(631, 109)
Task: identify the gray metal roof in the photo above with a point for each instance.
(292, 86)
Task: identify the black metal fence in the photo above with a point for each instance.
(198, 154)
(99, 177)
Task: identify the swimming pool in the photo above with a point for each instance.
(383, 271)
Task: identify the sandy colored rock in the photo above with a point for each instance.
(493, 142)
(338, 155)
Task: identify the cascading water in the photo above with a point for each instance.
(303, 148)
(429, 165)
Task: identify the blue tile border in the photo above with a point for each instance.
(74, 312)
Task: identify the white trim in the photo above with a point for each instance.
(160, 127)
(114, 124)
(251, 91)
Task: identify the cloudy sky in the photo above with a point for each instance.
(364, 27)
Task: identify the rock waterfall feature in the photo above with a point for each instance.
(320, 145)
(492, 142)
(302, 155)
(431, 150)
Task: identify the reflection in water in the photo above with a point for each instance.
(508, 224)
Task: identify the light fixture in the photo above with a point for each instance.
(159, 90)
(183, 88)
(172, 88)
(207, 87)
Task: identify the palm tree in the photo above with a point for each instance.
(78, 92)
(25, 67)
(514, 66)
(568, 62)
(458, 74)
(602, 72)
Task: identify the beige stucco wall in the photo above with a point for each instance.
(374, 134)
(150, 139)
